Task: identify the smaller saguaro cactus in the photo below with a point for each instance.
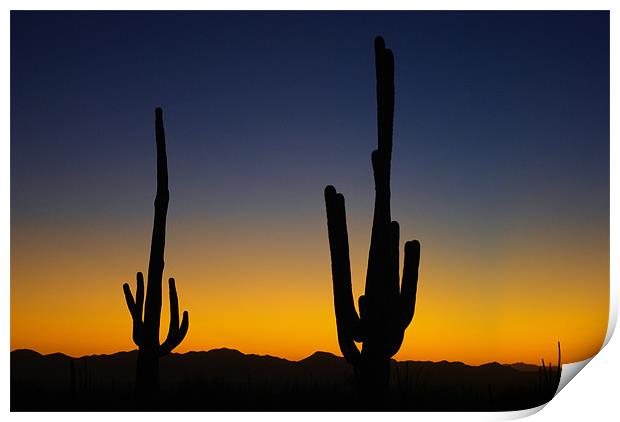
(386, 308)
(146, 329)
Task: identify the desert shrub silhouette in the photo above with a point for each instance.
(146, 330)
(386, 309)
(80, 378)
(549, 378)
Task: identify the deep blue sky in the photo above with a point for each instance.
(492, 109)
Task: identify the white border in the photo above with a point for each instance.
(592, 395)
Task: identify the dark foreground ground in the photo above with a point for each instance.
(226, 379)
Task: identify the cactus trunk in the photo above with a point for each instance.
(147, 374)
(387, 307)
(152, 306)
(146, 330)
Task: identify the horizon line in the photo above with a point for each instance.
(550, 363)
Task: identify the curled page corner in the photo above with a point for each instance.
(613, 312)
(569, 370)
(518, 414)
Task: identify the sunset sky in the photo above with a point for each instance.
(500, 169)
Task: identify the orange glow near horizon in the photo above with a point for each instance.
(71, 301)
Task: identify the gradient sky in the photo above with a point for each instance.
(500, 169)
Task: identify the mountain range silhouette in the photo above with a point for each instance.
(227, 380)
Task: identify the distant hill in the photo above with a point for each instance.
(225, 379)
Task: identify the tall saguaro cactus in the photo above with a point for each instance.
(146, 330)
(385, 309)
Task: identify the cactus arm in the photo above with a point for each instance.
(395, 257)
(174, 308)
(135, 307)
(361, 304)
(347, 320)
(139, 294)
(131, 304)
(176, 333)
(409, 286)
(152, 308)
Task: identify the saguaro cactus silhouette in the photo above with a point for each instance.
(146, 330)
(386, 309)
